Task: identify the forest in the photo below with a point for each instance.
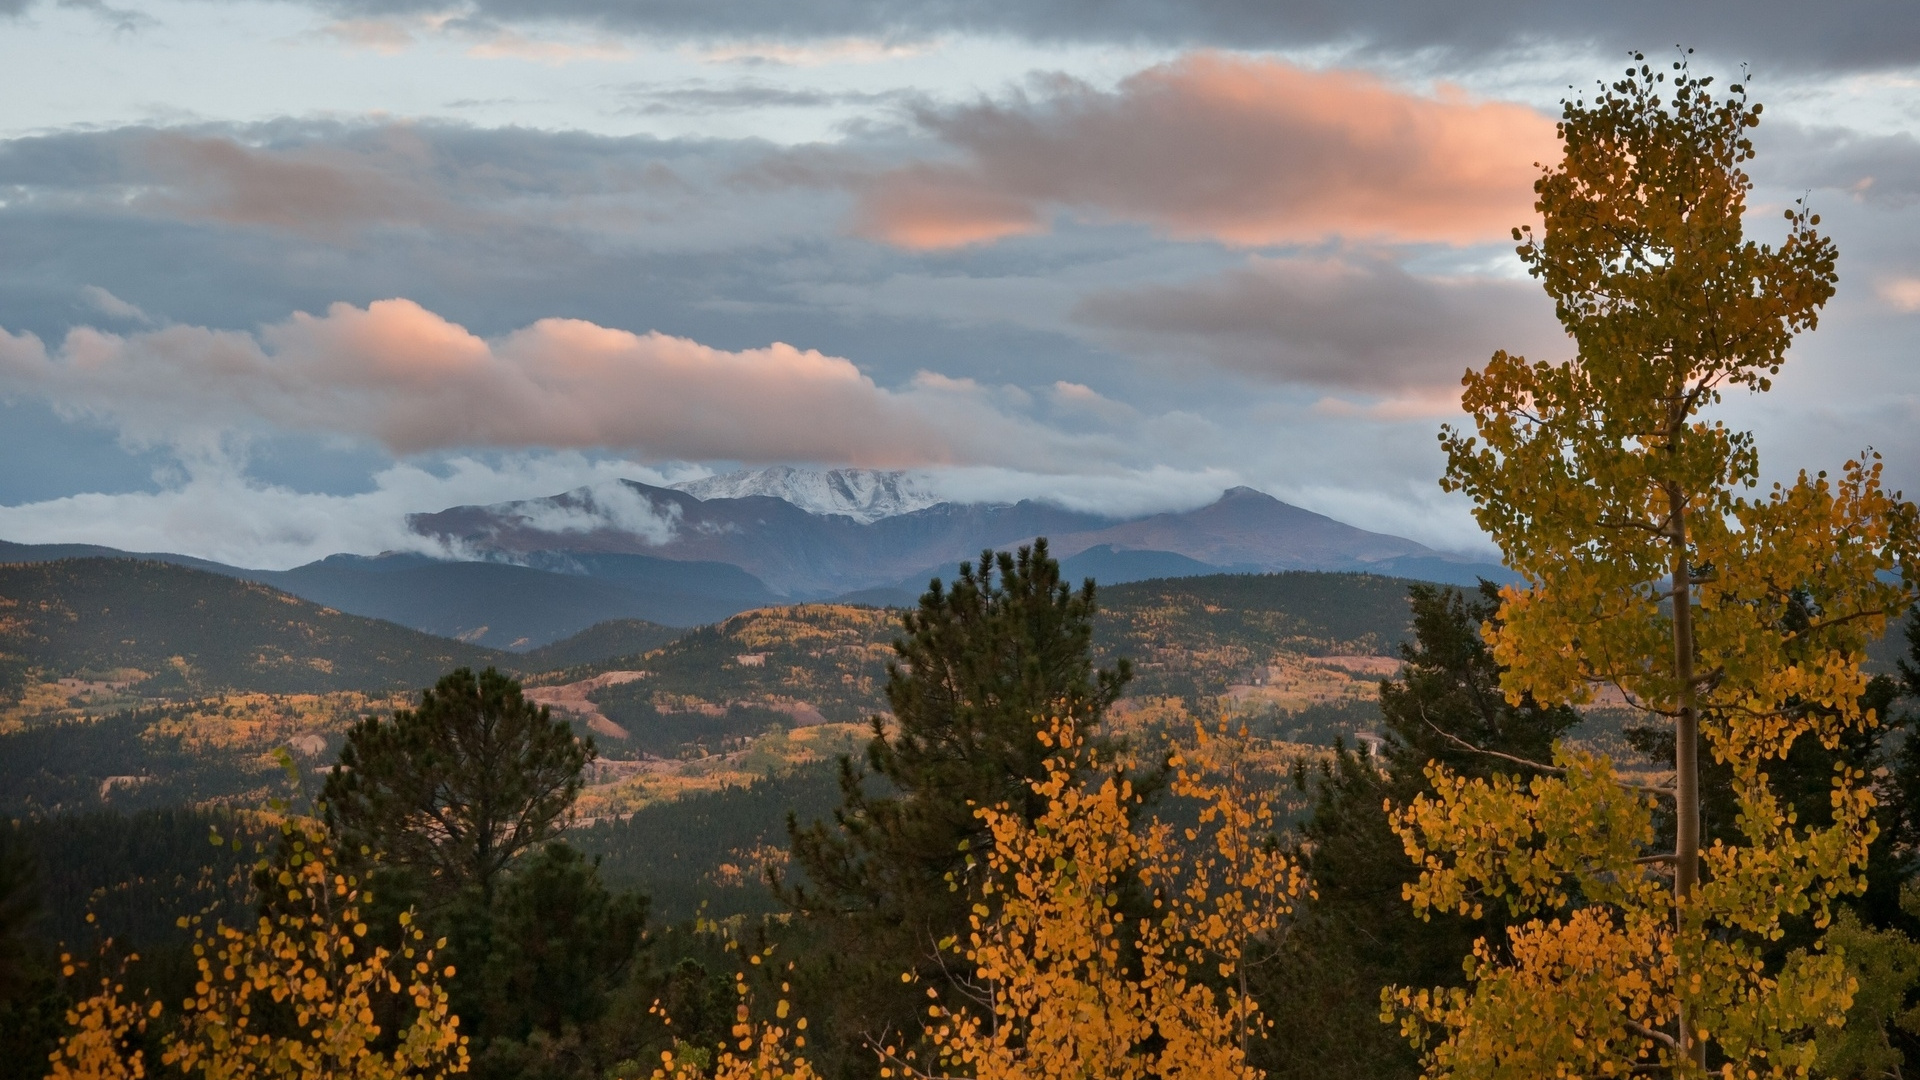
(1654, 811)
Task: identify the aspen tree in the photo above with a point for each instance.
(1069, 985)
(297, 995)
(1656, 568)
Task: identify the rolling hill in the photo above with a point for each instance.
(171, 630)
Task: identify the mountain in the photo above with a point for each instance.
(1113, 566)
(861, 494)
(521, 607)
(539, 570)
(797, 554)
(172, 629)
(806, 555)
(495, 604)
(601, 641)
(1251, 529)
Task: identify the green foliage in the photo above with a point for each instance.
(64, 767)
(193, 632)
(674, 851)
(1885, 966)
(1740, 619)
(457, 788)
(137, 873)
(539, 965)
(20, 909)
(977, 664)
(1357, 934)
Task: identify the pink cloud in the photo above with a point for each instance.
(1248, 152)
(403, 376)
(315, 190)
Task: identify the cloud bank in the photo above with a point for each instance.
(398, 374)
(217, 512)
(1865, 35)
(1364, 324)
(1244, 151)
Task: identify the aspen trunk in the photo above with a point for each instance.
(1686, 758)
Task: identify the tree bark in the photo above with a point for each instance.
(1686, 757)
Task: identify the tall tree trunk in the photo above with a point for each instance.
(1686, 754)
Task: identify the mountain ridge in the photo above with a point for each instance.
(803, 555)
(866, 495)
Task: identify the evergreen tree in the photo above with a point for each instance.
(538, 969)
(1358, 933)
(977, 664)
(456, 789)
(20, 909)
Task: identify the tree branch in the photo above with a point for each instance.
(1553, 769)
(1646, 1032)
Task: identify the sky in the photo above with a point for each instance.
(276, 273)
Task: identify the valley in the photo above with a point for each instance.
(140, 686)
(721, 667)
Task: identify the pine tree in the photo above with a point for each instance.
(977, 664)
(1358, 933)
(458, 788)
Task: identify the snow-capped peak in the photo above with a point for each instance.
(862, 494)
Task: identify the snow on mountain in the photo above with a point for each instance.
(864, 495)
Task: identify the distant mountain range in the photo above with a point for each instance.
(808, 554)
(536, 571)
(861, 494)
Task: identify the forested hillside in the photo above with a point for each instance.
(1197, 636)
(601, 641)
(158, 629)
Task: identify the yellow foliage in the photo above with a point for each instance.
(1741, 621)
(1068, 984)
(759, 1050)
(294, 996)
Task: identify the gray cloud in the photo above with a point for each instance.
(698, 98)
(1777, 34)
(330, 181)
(1362, 324)
(1880, 170)
(123, 20)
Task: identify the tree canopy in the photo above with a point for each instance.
(459, 787)
(1652, 575)
(1008, 642)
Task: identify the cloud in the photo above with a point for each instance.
(818, 53)
(507, 45)
(104, 302)
(1361, 323)
(1776, 34)
(350, 184)
(314, 189)
(400, 375)
(606, 505)
(1249, 152)
(697, 98)
(1902, 294)
(1880, 170)
(123, 20)
(215, 511)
